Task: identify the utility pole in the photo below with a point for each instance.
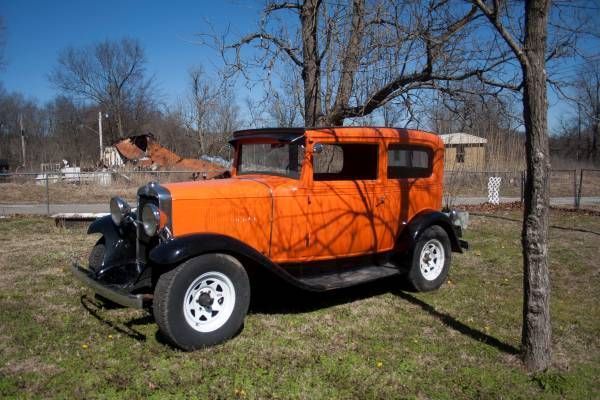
(578, 130)
(22, 138)
(100, 134)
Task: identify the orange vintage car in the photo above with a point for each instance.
(320, 208)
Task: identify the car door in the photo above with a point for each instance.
(340, 197)
(407, 188)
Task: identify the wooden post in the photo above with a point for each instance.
(47, 195)
(100, 134)
(22, 138)
(579, 190)
(575, 202)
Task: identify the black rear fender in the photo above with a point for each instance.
(420, 223)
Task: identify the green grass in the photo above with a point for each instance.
(373, 341)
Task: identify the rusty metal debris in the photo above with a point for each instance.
(145, 151)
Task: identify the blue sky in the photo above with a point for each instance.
(36, 31)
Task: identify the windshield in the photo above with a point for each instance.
(283, 159)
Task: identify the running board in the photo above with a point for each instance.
(342, 279)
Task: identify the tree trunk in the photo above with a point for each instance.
(536, 335)
(595, 131)
(311, 68)
(350, 64)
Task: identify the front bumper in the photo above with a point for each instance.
(113, 294)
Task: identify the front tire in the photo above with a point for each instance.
(203, 301)
(430, 260)
(96, 257)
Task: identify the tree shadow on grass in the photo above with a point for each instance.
(93, 306)
(274, 296)
(458, 326)
(288, 300)
(562, 228)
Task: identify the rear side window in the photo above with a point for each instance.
(344, 162)
(408, 162)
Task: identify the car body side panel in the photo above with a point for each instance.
(240, 208)
(290, 224)
(341, 220)
(398, 201)
(350, 218)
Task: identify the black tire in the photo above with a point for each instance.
(97, 255)
(171, 308)
(437, 241)
(95, 264)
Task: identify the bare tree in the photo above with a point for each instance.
(110, 74)
(211, 111)
(203, 96)
(587, 101)
(531, 55)
(284, 105)
(354, 60)
(2, 42)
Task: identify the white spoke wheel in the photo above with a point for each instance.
(208, 302)
(430, 261)
(203, 301)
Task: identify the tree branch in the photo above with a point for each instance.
(494, 17)
(283, 46)
(281, 6)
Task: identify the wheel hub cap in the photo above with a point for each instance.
(209, 302)
(431, 260)
(205, 299)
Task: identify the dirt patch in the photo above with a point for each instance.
(490, 207)
(517, 205)
(30, 365)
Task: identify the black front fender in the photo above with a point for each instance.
(421, 222)
(119, 242)
(105, 226)
(169, 254)
(180, 249)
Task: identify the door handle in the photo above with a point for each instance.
(380, 200)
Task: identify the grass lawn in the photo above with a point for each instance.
(374, 341)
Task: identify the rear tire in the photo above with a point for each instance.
(202, 302)
(430, 260)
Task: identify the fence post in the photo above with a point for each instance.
(580, 186)
(575, 202)
(47, 196)
(522, 186)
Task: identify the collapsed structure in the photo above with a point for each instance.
(144, 151)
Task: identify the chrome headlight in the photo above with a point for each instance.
(152, 219)
(118, 209)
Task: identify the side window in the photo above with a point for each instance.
(408, 162)
(344, 162)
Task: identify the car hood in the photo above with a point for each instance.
(250, 186)
(238, 207)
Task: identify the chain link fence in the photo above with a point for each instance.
(568, 187)
(55, 192)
